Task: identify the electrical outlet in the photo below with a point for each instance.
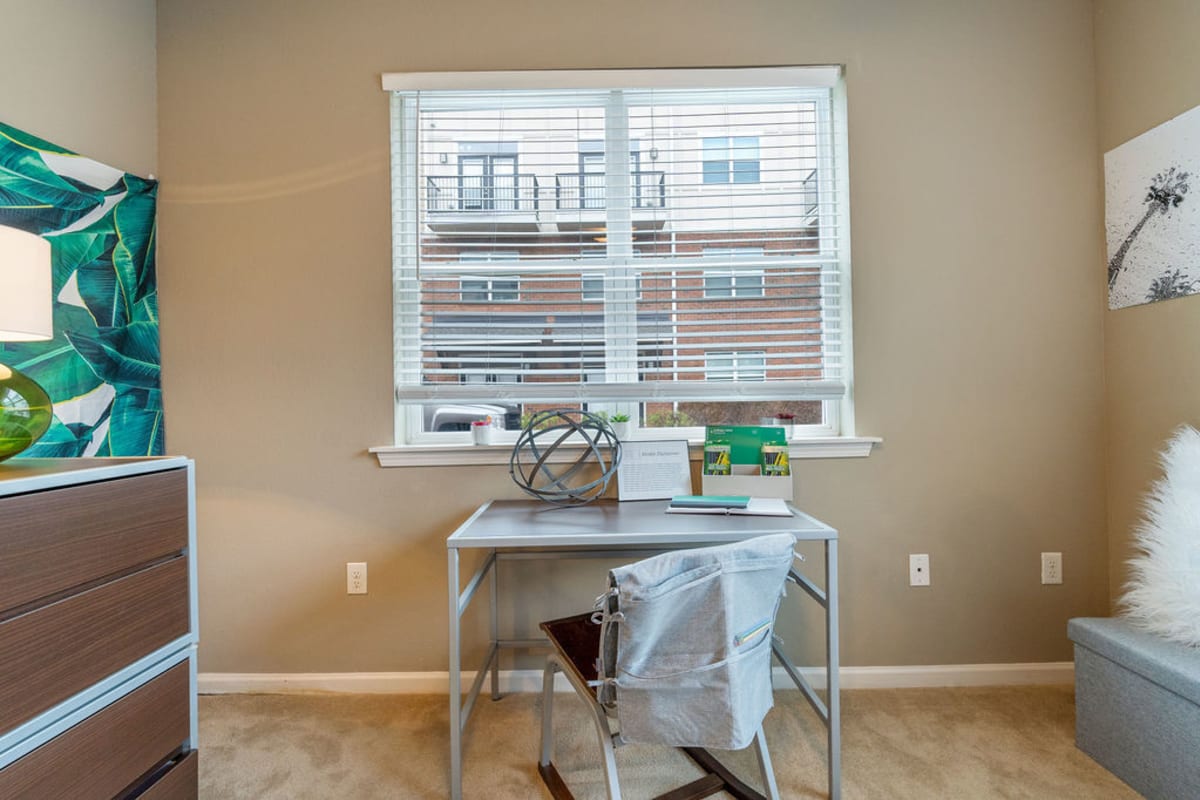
(918, 569)
(1051, 567)
(356, 577)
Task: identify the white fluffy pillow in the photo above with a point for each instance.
(1163, 593)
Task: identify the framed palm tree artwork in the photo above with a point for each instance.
(101, 368)
(1152, 224)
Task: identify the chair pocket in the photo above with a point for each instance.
(716, 705)
(700, 623)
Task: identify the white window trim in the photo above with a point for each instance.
(839, 414)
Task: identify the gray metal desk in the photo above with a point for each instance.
(532, 529)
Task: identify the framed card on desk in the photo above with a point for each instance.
(654, 470)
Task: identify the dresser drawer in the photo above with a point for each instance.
(55, 540)
(181, 781)
(49, 654)
(110, 752)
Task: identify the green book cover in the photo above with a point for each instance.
(710, 501)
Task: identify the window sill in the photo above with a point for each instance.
(457, 455)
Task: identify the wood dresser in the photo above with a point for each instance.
(98, 629)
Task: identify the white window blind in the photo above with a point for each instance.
(601, 205)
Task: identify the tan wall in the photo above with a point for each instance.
(1146, 67)
(976, 206)
(80, 73)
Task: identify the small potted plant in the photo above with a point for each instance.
(621, 426)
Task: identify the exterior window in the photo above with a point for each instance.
(564, 242)
(733, 284)
(482, 289)
(738, 365)
(746, 282)
(488, 377)
(592, 288)
(731, 159)
(490, 290)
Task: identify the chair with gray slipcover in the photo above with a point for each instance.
(677, 652)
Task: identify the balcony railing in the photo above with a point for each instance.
(482, 193)
(581, 190)
(808, 191)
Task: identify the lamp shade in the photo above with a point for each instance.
(25, 293)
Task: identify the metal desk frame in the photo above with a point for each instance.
(529, 529)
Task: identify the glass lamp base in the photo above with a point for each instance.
(25, 412)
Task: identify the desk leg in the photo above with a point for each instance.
(831, 666)
(455, 678)
(495, 624)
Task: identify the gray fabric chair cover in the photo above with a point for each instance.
(686, 642)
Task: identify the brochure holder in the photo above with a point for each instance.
(738, 449)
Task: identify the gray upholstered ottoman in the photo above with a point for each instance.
(1137, 706)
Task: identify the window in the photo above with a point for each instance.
(704, 291)
(592, 288)
(487, 377)
(739, 283)
(733, 284)
(738, 365)
(481, 289)
(731, 159)
(489, 290)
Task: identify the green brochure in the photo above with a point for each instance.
(745, 443)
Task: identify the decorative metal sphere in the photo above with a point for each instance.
(564, 483)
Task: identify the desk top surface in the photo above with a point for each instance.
(606, 523)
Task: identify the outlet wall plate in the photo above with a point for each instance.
(918, 569)
(356, 577)
(1052, 569)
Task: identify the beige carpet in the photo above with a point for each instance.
(916, 743)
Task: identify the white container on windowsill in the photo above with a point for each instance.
(481, 432)
(623, 430)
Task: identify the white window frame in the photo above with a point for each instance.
(838, 415)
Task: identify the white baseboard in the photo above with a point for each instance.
(914, 677)
(529, 680)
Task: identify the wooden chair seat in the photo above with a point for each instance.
(577, 639)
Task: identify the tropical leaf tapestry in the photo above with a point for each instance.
(101, 369)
